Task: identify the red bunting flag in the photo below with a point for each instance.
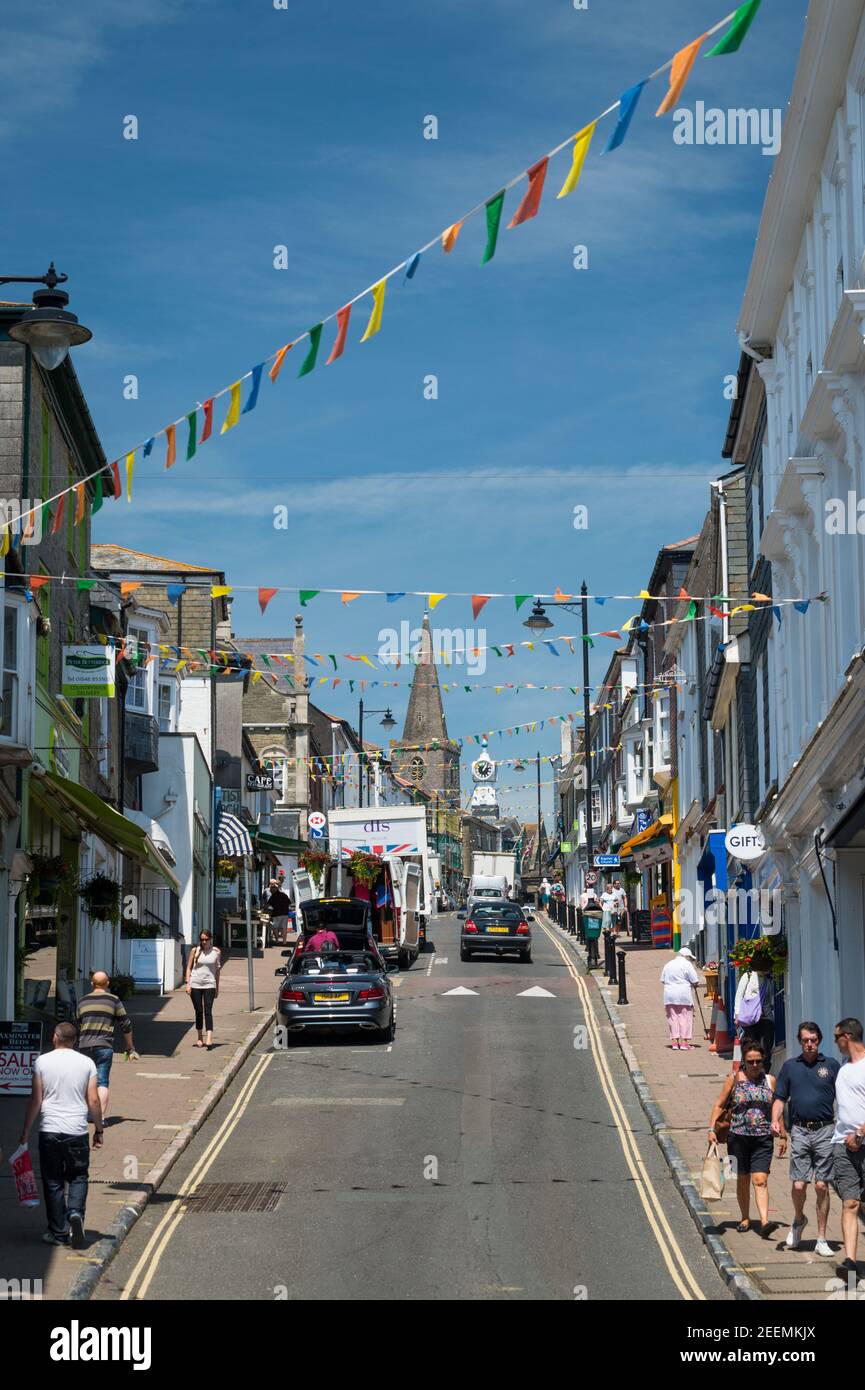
(264, 597)
(683, 593)
(115, 473)
(478, 601)
(611, 634)
(208, 420)
(718, 612)
(58, 514)
(37, 580)
(532, 196)
(342, 317)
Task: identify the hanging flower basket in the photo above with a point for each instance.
(139, 931)
(365, 868)
(763, 954)
(51, 873)
(315, 861)
(101, 896)
(226, 868)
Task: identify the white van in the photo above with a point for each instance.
(394, 902)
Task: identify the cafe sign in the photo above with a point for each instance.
(88, 672)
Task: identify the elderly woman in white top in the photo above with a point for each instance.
(678, 978)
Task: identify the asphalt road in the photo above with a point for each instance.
(478, 1157)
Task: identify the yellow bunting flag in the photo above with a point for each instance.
(220, 590)
(679, 74)
(130, 465)
(581, 148)
(743, 608)
(377, 306)
(644, 593)
(79, 502)
(4, 544)
(233, 415)
(435, 600)
(449, 237)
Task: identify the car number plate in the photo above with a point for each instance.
(331, 998)
(501, 929)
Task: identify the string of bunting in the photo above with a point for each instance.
(199, 422)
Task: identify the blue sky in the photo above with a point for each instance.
(557, 387)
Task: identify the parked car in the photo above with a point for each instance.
(494, 926)
(344, 987)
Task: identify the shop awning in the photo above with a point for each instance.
(266, 843)
(156, 832)
(110, 825)
(651, 832)
(232, 837)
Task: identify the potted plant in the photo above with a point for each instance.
(710, 970)
(122, 985)
(226, 868)
(50, 874)
(315, 861)
(364, 868)
(101, 896)
(765, 954)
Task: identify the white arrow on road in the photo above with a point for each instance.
(535, 993)
(459, 990)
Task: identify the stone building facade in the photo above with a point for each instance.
(425, 756)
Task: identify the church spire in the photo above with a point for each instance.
(425, 717)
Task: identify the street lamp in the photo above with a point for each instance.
(48, 329)
(387, 723)
(537, 619)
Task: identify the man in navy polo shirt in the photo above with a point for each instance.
(807, 1084)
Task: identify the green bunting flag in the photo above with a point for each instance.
(306, 594)
(589, 640)
(692, 611)
(520, 599)
(192, 421)
(85, 584)
(97, 496)
(309, 359)
(494, 217)
(735, 35)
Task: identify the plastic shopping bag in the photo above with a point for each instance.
(25, 1178)
(712, 1176)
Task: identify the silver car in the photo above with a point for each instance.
(344, 989)
(494, 926)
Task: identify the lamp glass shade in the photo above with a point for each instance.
(49, 335)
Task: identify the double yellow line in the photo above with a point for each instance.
(669, 1247)
(156, 1246)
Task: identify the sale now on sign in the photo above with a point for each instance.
(20, 1045)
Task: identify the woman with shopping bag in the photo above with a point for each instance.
(748, 1095)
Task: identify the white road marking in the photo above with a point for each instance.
(440, 960)
(430, 964)
(460, 989)
(338, 1100)
(536, 992)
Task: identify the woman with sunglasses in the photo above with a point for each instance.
(202, 983)
(748, 1096)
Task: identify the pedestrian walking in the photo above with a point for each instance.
(610, 908)
(807, 1085)
(749, 1095)
(754, 1010)
(620, 913)
(545, 892)
(202, 983)
(98, 1014)
(847, 1140)
(65, 1096)
(679, 976)
(279, 907)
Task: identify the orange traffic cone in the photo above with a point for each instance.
(713, 1023)
(722, 1042)
(737, 1056)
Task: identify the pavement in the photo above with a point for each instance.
(495, 1151)
(683, 1087)
(156, 1105)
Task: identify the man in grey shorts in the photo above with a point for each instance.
(807, 1084)
(849, 1139)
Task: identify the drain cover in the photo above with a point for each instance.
(236, 1196)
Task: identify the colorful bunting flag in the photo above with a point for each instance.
(170, 446)
(278, 361)
(342, 317)
(449, 237)
(494, 217)
(478, 601)
(582, 141)
(413, 265)
(233, 415)
(220, 590)
(306, 594)
(252, 398)
(128, 586)
(679, 73)
(627, 106)
(732, 41)
(392, 598)
(79, 503)
(310, 358)
(148, 447)
(207, 408)
(435, 600)
(377, 307)
(97, 496)
(130, 465)
(349, 597)
(175, 592)
(58, 515)
(264, 597)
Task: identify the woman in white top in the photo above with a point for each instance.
(678, 978)
(202, 983)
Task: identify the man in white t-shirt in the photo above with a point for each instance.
(64, 1096)
(621, 913)
(848, 1141)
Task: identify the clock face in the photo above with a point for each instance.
(483, 770)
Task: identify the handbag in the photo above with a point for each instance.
(751, 1010)
(712, 1176)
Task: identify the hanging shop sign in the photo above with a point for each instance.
(745, 842)
(259, 782)
(88, 672)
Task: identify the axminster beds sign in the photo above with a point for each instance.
(87, 672)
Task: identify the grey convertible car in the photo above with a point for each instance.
(344, 986)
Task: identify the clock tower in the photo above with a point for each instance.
(484, 802)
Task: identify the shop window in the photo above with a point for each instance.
(13, 716)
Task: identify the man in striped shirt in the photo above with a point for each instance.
(99, 1013)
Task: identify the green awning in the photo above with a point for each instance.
(276, 844)
(121, 832)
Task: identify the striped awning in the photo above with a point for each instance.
(232, 837)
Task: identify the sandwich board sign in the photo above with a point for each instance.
(20, 1045)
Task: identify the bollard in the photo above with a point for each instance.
(581, 927)
(613, 979)
(606, 935)
(623, 987)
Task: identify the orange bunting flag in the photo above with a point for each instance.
(449, 237)
(171, 451)
(478, 601)
(37, 580)
(683, 593)
(79, 502)
(532, 196)
(559, 597)
(129, 585)
(264, 597)
(679, 74)
(342, 317)
(763, 598)
(349, 597)
(611, 634)
(278, 361)
(435, 600)
(58, 514)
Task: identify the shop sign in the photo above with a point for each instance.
(20, 1045)
(88, 672)
(745, 843)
